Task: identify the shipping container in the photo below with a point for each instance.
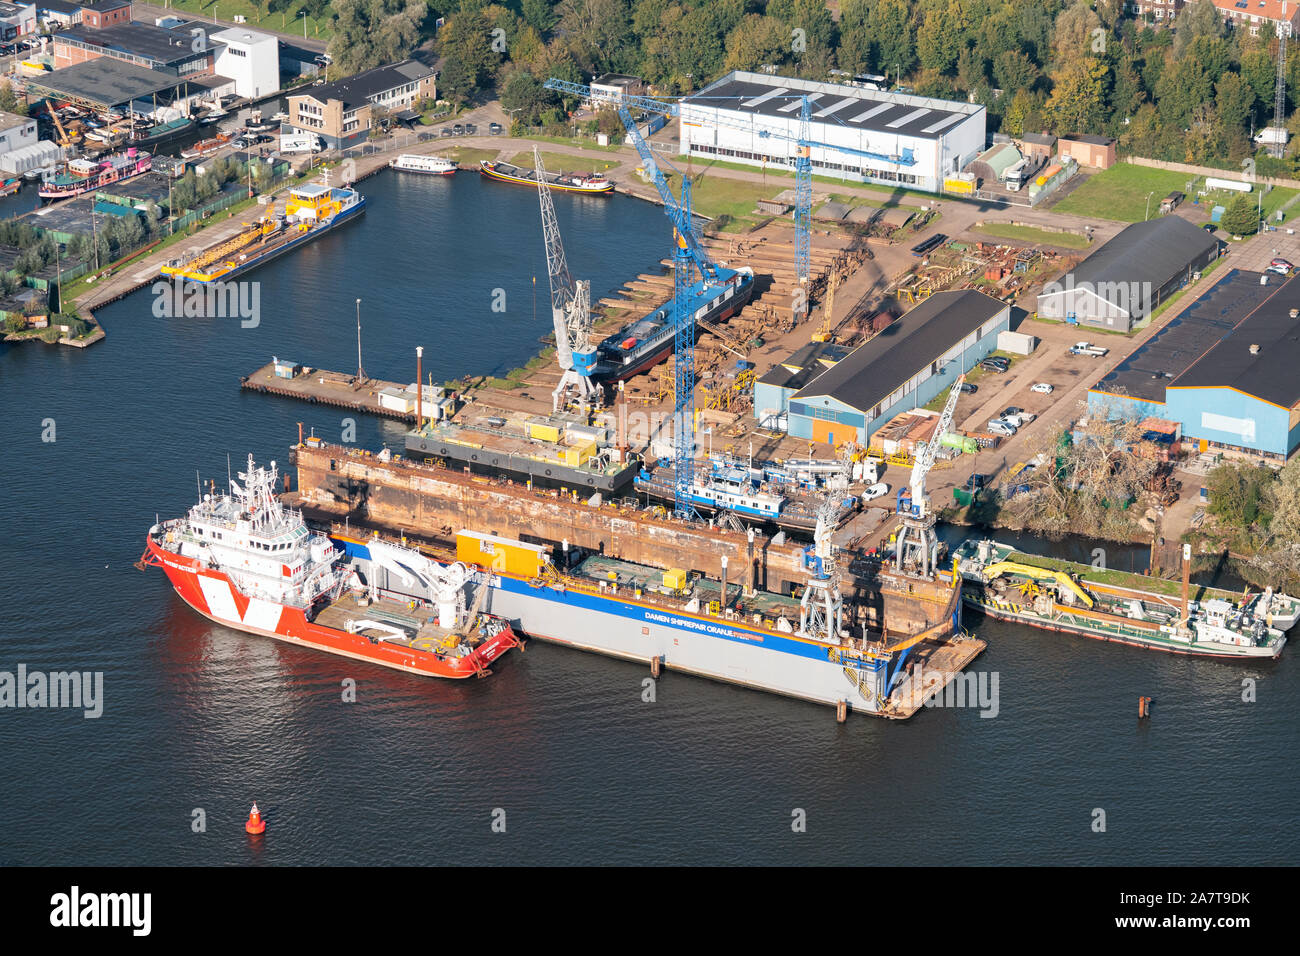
(500, 554)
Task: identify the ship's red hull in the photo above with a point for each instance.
(213, 595)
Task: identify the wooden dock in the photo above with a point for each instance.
(941, 664)
(320, 387)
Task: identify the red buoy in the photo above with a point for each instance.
(255, 825)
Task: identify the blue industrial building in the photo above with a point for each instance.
(773, 389)
(1227, 369)
(901, 368)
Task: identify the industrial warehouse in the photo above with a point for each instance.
(1122, 282)
(1225, 370)
(861, 134)
(904, 367)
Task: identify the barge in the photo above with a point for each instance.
(244, 560)
(1060, 596)
(552, 453)
(592, 183)
(311, 211)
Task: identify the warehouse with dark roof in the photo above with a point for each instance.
(1123, 281)
(901, 368)
(1225, 369)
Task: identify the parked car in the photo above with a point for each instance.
(1284, 263)
(878, 490)
(1279, 270)
(1020, 419)
(976, 481)
(494, 129)
(1000, 426)
(1011, 410)
(458, 130)
(1042, 388)
(446, 131)
(969, 389)
(470, 129)
(993, 367)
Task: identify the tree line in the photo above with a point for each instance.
(1191, 94)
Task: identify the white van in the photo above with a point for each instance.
(300, 143)
(1000, 426)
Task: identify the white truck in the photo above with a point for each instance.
(300, 143)
(1087, 348)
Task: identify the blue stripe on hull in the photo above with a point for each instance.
(291, 244)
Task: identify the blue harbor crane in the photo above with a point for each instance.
(804, 146)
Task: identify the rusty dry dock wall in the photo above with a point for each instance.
(437, 502)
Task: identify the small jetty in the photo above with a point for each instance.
(339, 389)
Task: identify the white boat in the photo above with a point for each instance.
(431, 165)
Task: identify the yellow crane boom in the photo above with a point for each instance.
(1028, 570)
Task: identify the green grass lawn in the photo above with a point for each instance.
(566, 162)
(1121, 193)
(289, 21)
(467, 156)
(1005, 230)
(713, 196)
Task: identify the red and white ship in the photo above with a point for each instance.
(244, 560)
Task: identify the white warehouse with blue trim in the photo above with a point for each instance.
(889, 138)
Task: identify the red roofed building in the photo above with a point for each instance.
(1259, 15)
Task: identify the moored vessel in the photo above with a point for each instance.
(565, 182)
(244, 560)
(82, 176)
(205, 146)
(311, 210)
(429, 165)
(1112, 606)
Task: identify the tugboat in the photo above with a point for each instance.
(244, 560)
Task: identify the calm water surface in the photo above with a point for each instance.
(198, 716)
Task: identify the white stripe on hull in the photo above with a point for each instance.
(736, 662)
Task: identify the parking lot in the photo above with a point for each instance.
(1255, 253)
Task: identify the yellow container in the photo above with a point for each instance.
(675, 579)
(577, 454)
(958, 186)
(543, 432)
(500, 554)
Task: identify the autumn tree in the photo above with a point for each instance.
(755, 41)
(1078, 99)
(1240, 217)
(370, 33)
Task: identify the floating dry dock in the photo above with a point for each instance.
(725, 604)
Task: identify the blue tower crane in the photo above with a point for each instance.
(803, 142)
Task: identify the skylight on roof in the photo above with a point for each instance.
(760, 100)
(909, 118)
(879, 108)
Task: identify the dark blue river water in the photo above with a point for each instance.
(198, 717)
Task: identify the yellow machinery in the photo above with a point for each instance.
(208, 265)
(1000, 568)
